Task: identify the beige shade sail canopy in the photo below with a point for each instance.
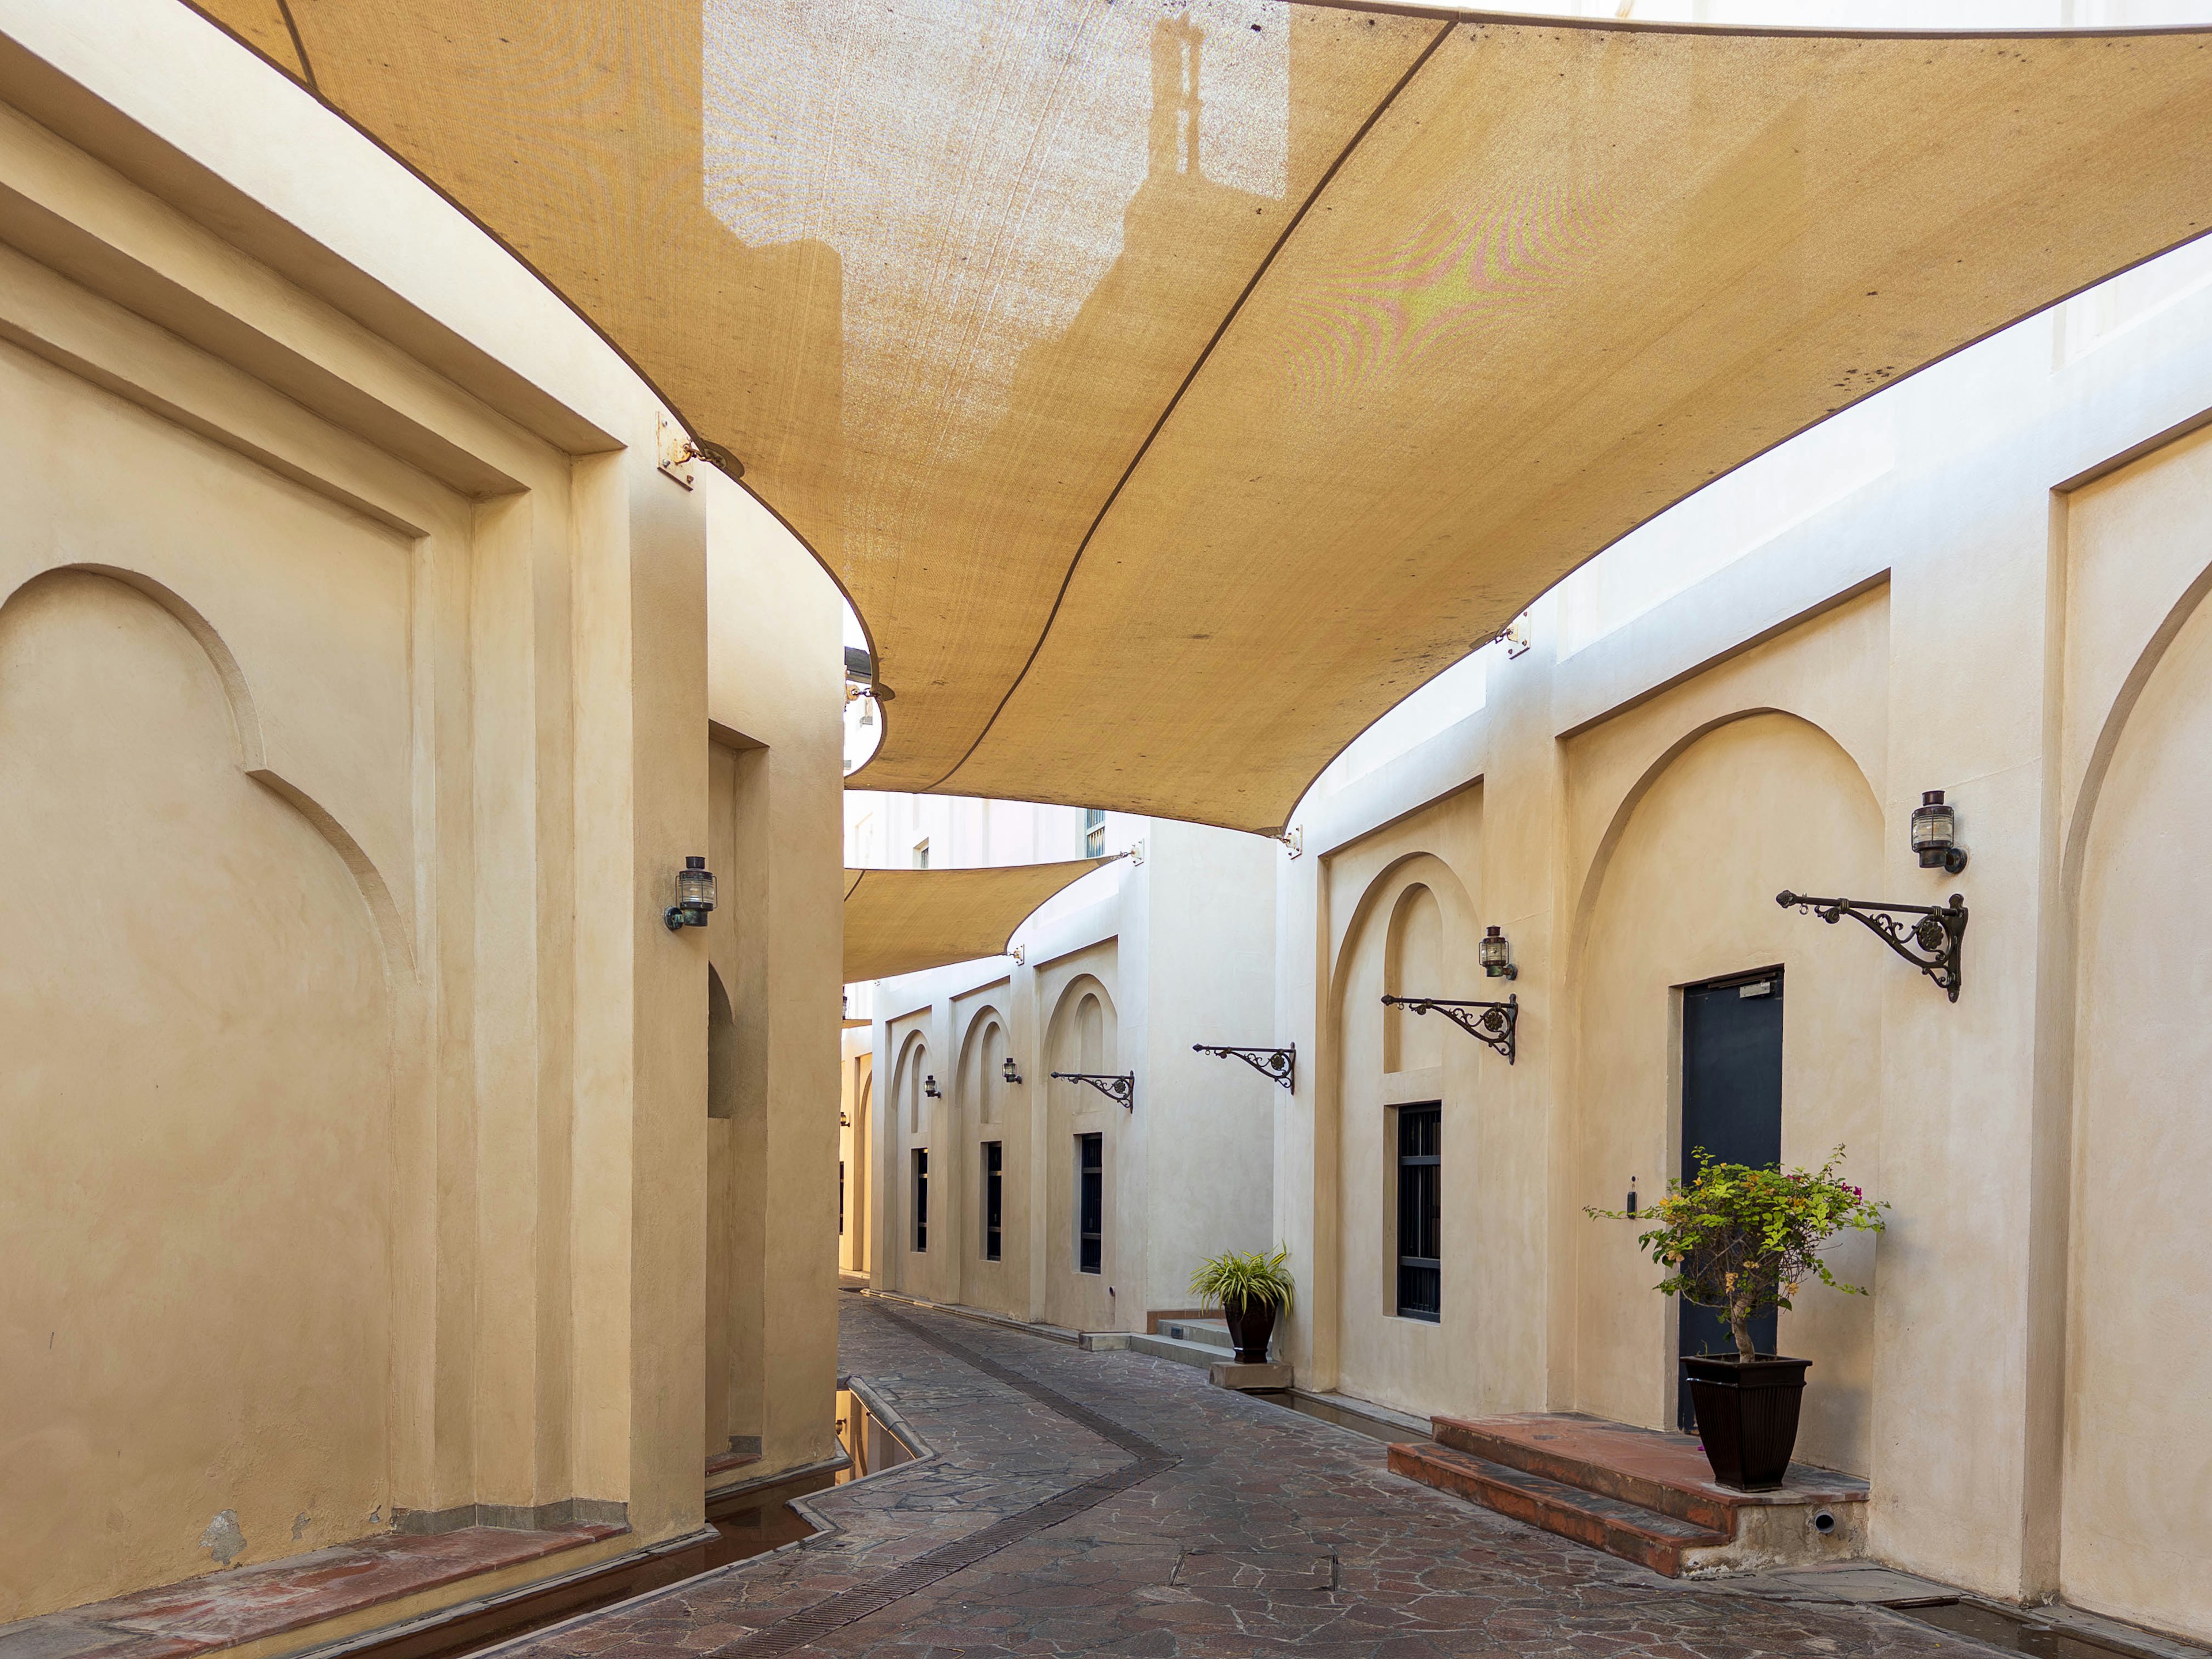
(900, 921)
(1174, 388)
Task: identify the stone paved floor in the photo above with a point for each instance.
(1116, 1503)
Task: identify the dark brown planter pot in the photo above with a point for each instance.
(1251, 1328)
(1746, 1415)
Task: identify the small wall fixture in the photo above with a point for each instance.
(1120, 1089)
(695, 895)
(929, 1086)
(1940, 935)
(1936, 834)
(1279, 1064)
(1495, 955)
(1007, 1071)
(1495, 1026)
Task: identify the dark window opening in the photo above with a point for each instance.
(841, 1198)
(921, 1198)
(1091, 1203)
(1420, 1266)
(994, 1183)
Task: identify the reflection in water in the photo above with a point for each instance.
(872, 1447)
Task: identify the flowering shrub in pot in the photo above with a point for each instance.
(1743, 1239)
(1251, 1288)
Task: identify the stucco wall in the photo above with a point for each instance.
(1687, 894)
(358, 1110)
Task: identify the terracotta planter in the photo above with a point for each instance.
(1251, 1328)
(1746, 1415)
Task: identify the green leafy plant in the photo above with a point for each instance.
(1741, 1239)
(1245, 1278)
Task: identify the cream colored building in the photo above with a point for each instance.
(359, 701)
(1986, 581)
(1118, 976)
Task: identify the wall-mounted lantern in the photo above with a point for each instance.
(1495, 953)
(695, 895)
(1936, 834)
(1120, 1088)
(1497, 1024)
(929, 1086)
(1277, 1065)
(1008, 1071)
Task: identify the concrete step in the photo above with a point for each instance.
(1644, 1494)
(1662, 1543)
(1566, 1458)
(1203, 1355)
(1212, 1333)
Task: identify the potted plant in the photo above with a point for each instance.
(1742, 1239)
(1251, 1288)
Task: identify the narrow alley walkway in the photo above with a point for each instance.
(1076, 1502)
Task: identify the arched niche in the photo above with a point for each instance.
(1731, 814)
(195, 1107)
(721, 1050)
(2135, 1530)
(1413, 965)
(1411, 933)
(982, 1085)
(1082, 1034)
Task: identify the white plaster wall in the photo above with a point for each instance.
(1687, 894)
(2138, 1434)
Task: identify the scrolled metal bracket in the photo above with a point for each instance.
(1496, 1025)
(1940, 935)
(1120, 1089)
(1277, 1065)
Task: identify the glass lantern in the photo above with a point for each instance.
(1496, 956)
(1008, 1071)
(1936, 834)
(695, 894)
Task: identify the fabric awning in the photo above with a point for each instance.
(1173, 389)
(900, 921)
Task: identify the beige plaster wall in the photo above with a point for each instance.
(2137, 1529)
(195, 1118)
(362, 782)
(1687, 894)
(1080, 1039)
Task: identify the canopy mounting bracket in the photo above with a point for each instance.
(1940, 935)
(1120, 1088)
(1276, 1065)
(1497, 1025)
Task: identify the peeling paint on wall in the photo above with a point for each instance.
(222, 1539)
(299, 1526)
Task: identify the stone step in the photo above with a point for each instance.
(1565, 1456)
(1662, 1543)
(1211, 1333)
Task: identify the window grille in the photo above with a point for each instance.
(1420, 1269)
(1090, 1203)
(994, 1165)
(921, 1198)
(1094, 832)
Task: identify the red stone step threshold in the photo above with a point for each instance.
(251, 1604)
(1645, 1496)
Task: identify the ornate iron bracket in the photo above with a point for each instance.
(1277, 1065)
(1940, 935)
(1495, 1026)
(1122, 1089)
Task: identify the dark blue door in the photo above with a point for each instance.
(1732, 1107)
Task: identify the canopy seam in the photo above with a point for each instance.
(1236, 307)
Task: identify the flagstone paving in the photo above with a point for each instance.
(1077, 1503)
